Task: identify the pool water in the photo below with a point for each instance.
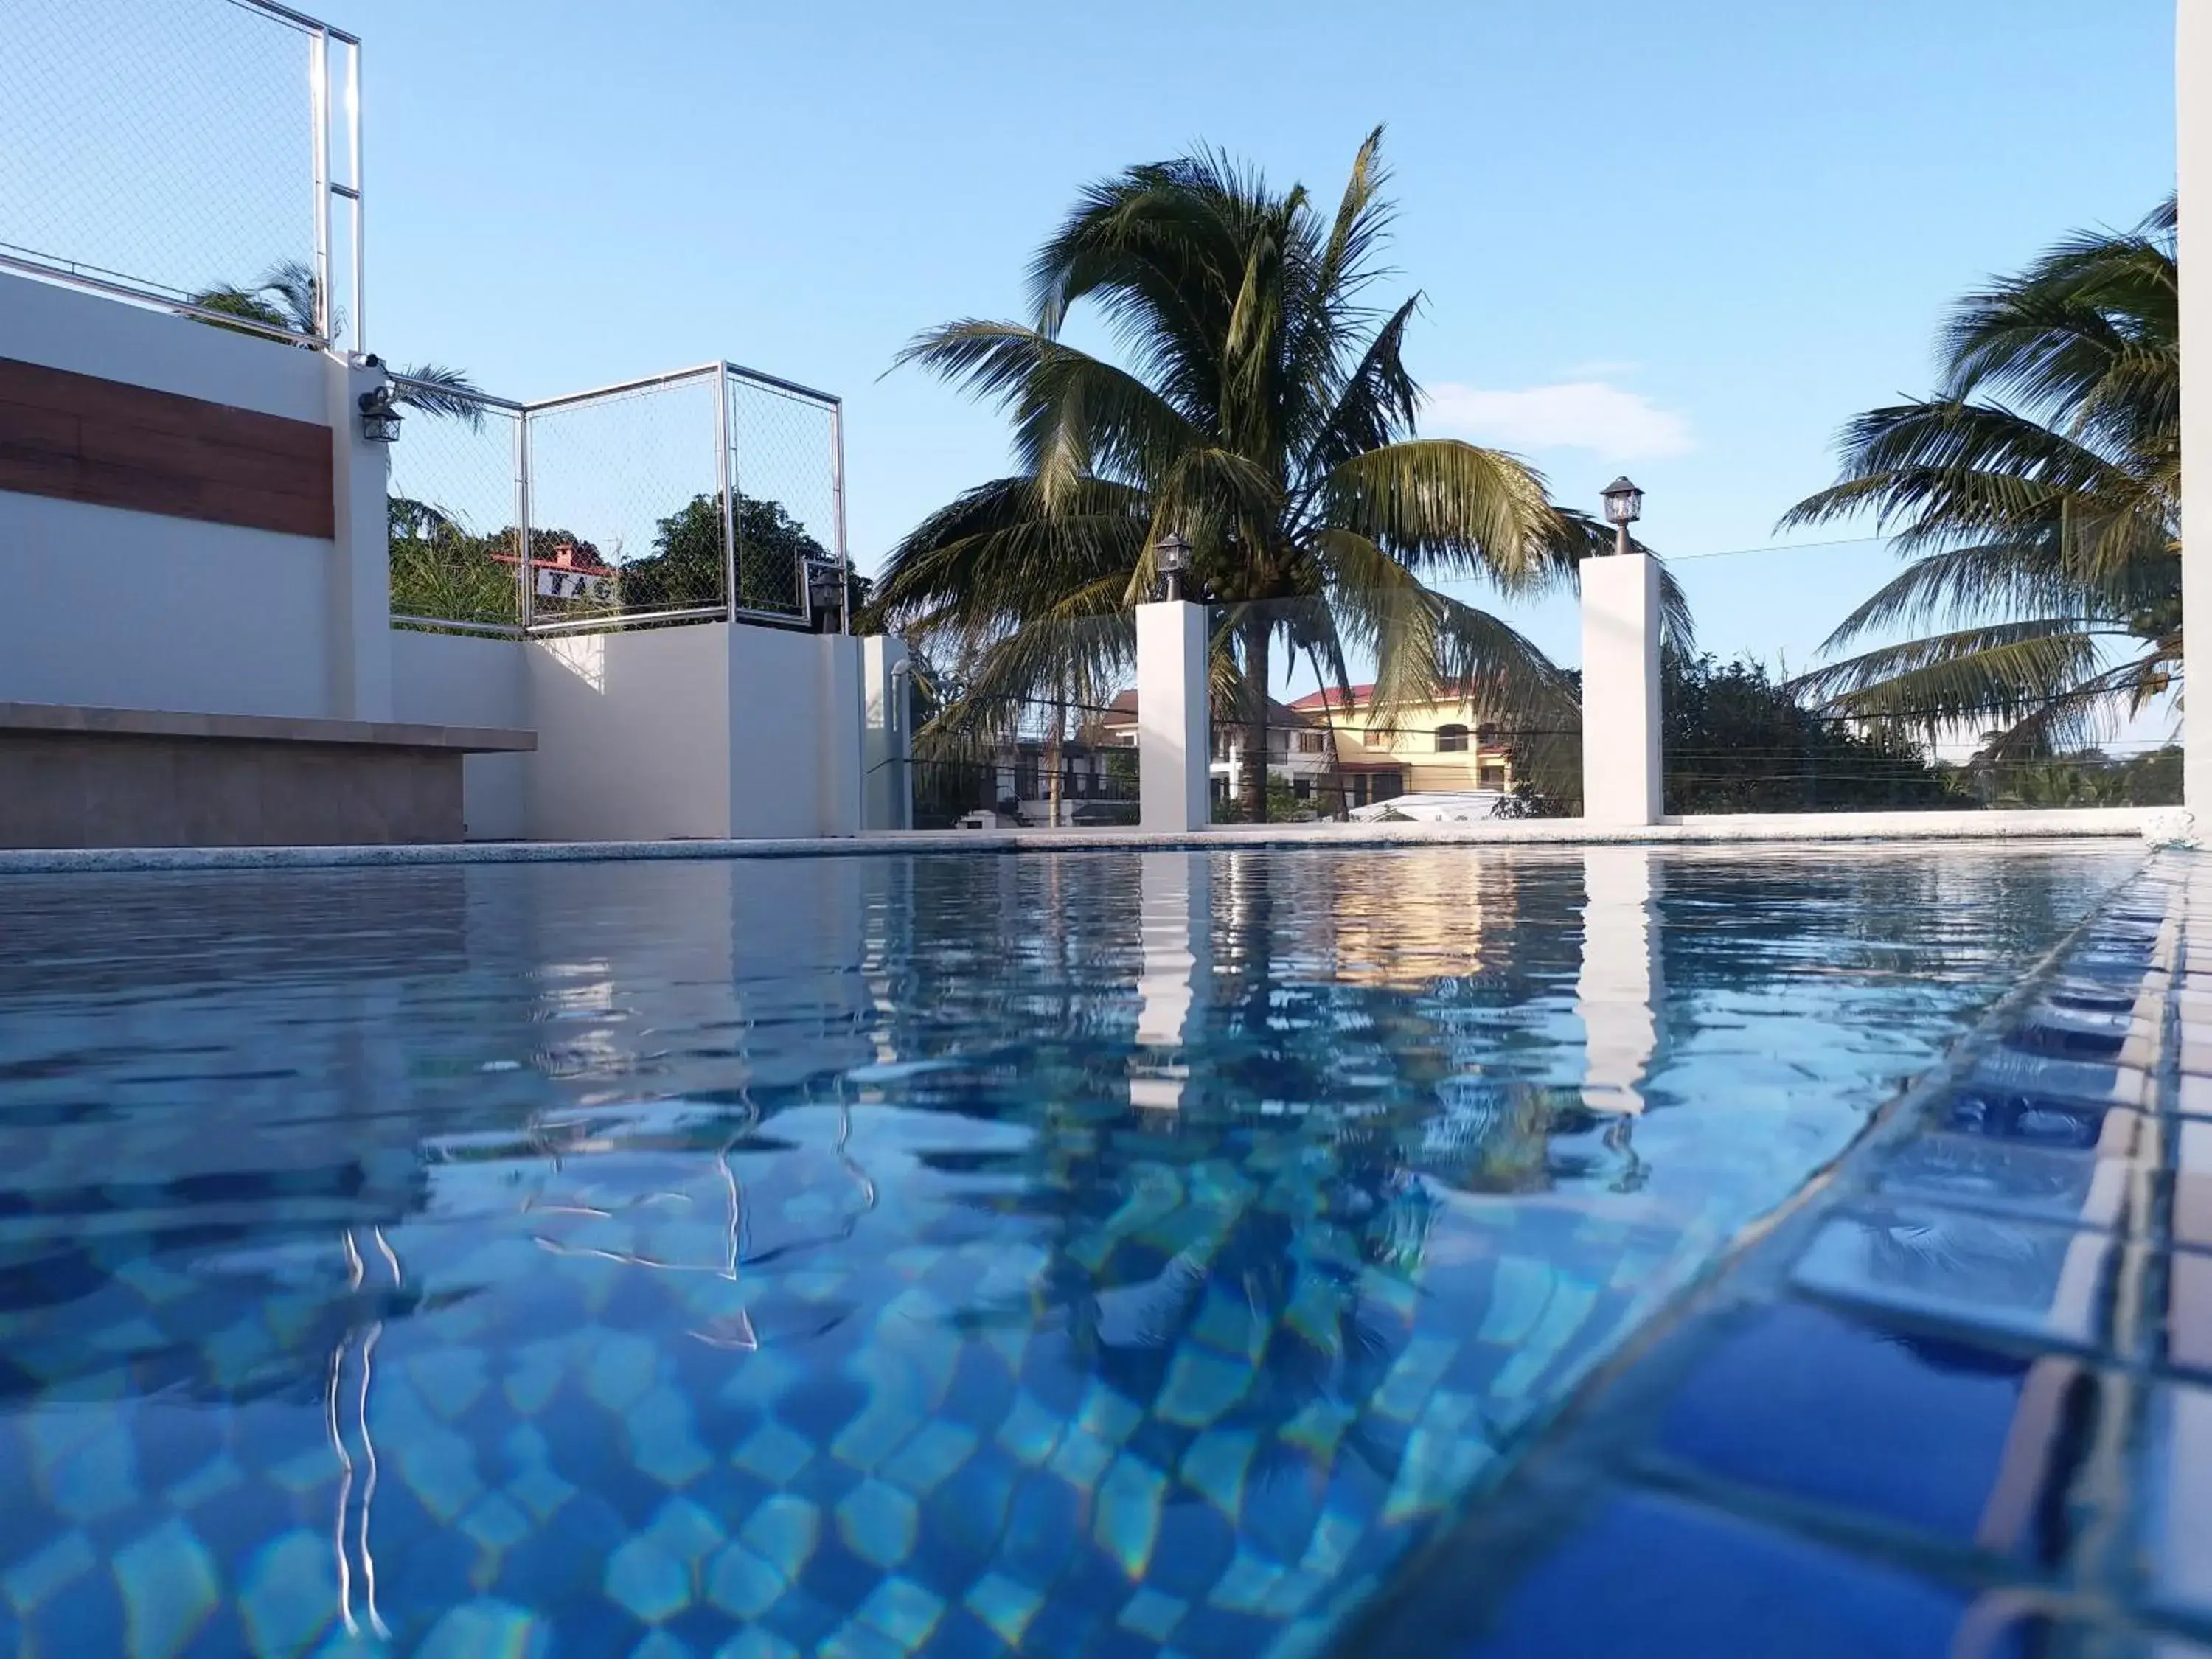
(1089, 1253)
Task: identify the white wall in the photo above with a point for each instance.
(454, 679)
(112, 608)
(633, 735)
(795, 733)
(700, 731)
(91, 334)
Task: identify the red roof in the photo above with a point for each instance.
(1332, 697)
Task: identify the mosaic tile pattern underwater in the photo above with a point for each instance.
(1099, 1254)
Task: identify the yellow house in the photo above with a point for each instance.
(1436, 747)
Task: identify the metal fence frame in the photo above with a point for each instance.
(722, 371)
(327, 190)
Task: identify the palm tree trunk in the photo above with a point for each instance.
(1255, 782)
(1052, 759)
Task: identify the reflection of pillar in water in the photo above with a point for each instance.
(1176, 912)
(1618, 992)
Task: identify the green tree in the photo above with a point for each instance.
(2038, 497)
(1734, 739)
(1264, 413)
(685, 567)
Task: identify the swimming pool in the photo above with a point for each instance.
(1096, 1253)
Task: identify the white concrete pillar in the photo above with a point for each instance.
(360, 605)
(1619, 988)
(1174, 719)
(887, 746)
(1621, 777)
(842, 735)
(2192, 58)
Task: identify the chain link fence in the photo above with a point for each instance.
(203, 154)
(456, 500)
(1035, 764)
(625, 482)
(637, 501)
(788, 501)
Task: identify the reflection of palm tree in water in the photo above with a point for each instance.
(1267, 1281)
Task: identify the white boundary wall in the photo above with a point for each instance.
(455, 679)
(708, 731)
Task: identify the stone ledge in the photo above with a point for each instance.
(1781, 829)
(47, 717)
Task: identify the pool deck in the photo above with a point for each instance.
(2156, 824)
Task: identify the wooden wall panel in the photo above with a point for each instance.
(84, 439)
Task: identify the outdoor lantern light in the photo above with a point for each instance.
(1171, 556)
(380, 420)
(1624, 506)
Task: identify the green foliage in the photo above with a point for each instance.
(1262, 411)
(2090, 778)
(685, 567)
(1737, 741)
(1734, 739)
(1283, 804)
(2038, 496)
(440, 573)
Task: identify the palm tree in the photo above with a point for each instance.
(2039, 497)
(1265, 414)
(285, 299)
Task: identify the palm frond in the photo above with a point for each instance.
(436, 390)
(1441, 505)
(2002, 672)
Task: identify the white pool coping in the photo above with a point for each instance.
(2155, 823)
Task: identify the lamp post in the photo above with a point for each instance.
(1624, 506)
(1171, 557)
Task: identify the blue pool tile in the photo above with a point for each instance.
(1900, 1426)
(804, 1619)
(2012, 1071)
(2173, 1491)
(1998, 1273)
(961, 1635)
(2074, 1032)
(1661, 1580)
(2049, 1183)
(1196, 1544)
(2033, 1119)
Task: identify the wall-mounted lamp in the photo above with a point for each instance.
(379, 418)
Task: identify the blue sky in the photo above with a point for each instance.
(1686, 240)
